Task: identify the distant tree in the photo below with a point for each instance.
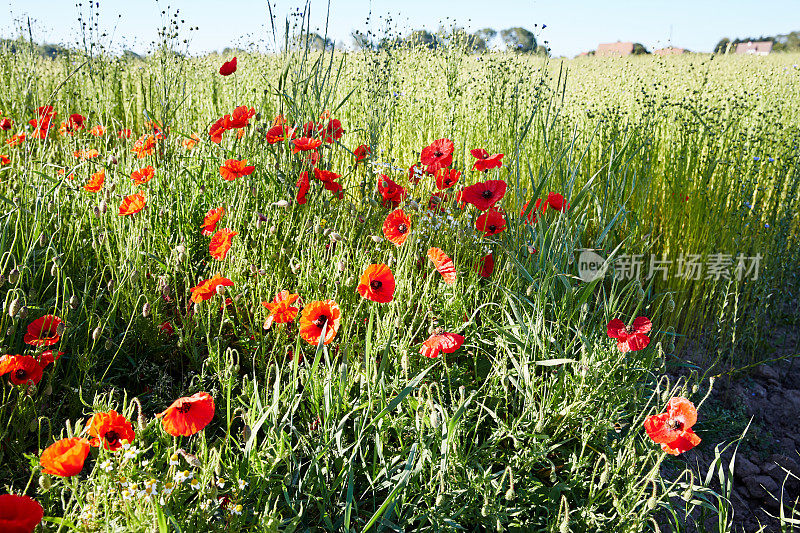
(361, 41)
(722, 46)
(519, 39)
(640, 49)
(423, 38)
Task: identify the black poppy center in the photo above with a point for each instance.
(20, 374)
(375, 284)
(487, 194)
(321, 321)
(674, 424)
(184, 407)
(402, 228)
(112, 437)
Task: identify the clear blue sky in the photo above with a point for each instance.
(572, 26)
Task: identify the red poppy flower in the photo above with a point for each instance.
(144, 146)
(43, 331)
(91, 153)
(279, 133)
(19, 514)
(217, 129)
(630, 339)
(48, 357)
(317, 316)
(391, 192)
(228, 67)
(441, 342)
(377, 284)
(556, 201)
(304, 144)
(485, 161)
(96, 181)
(65, 457)
(189, 415)
(240, 117)
(111, 429)
(485, 266)
(143, 175)
(484, 195)
(438, 154)
(332, 131)
(280, 309)
(446, 178)
(491, 222)
(21, 369)
(132, 204)
(444, 265)
(362, 152)
(531, 217)
(208, 288)
(235, 169)
(210, 221)
(305, 184)
(396, 227)
(221, 243)
(415, 173)
(673, 429)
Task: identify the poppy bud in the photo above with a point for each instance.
(146, 310)
(44, 482)
(13, 276)
(61, 328)
(23, 313)
(96, 333)
(73, 302)
(220, 290)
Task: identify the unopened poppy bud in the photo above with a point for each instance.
(281, 203)
(44, 482)
(61, 328)
(220, 290)
(13, 276)
(23, 312)
(96, 333)
(146, 310)
(73, 302)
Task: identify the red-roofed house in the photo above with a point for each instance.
(617, 49)
(760, 48)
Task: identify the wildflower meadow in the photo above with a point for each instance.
(394, 289)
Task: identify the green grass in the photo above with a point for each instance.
(535, 423)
